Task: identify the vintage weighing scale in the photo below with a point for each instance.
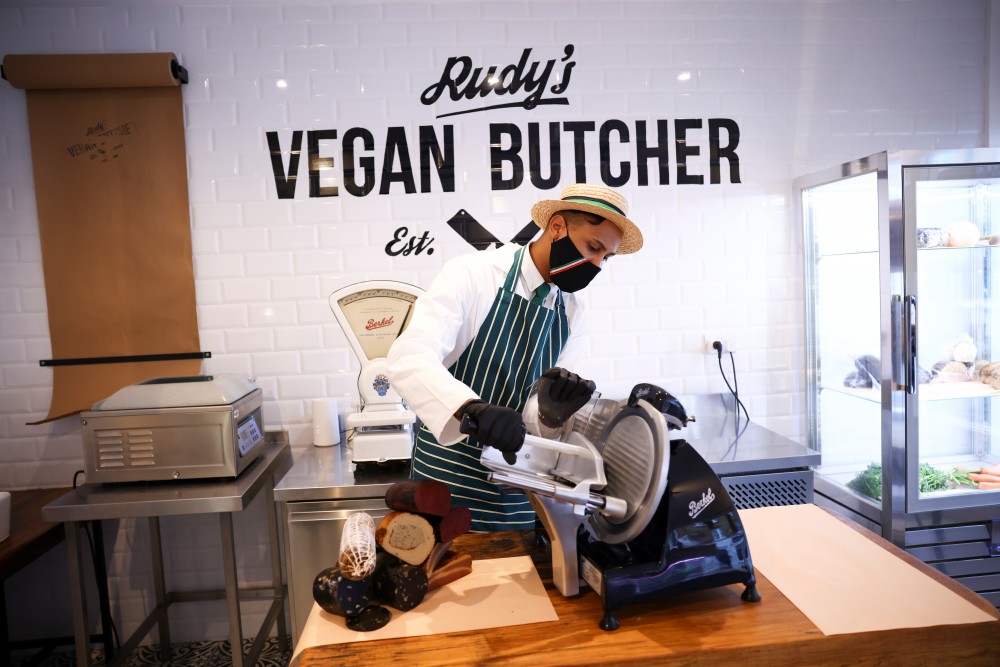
(373, 314)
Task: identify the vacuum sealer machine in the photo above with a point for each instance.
(174, 428)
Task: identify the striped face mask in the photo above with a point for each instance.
(570, 270)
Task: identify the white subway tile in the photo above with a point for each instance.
(292, 238)
(273, 314)
(240, 189)
(10, 301)
(443, 34)
(249, 340)
(306, 13)
(311, 113)
(415, 59)
(145, 15)
(302, 386)
(135, 40)
(207, 291)
(276, 363)
(78, 40)
(269, 116)
(212, 115)
(222, 316)
(357, 13)
(255, 15)
(298, 287)
(215, 216)
(257, 63)
(360, 59)
(48, 17)
(244, 290)
(287, 36)
(243, 240)
(314, 59)
(298, 337)
(336, 35)
(25, 375)
(383, 33)
(33, 300)
(206, 15)
(184, 40)
(228, 37)
(240, 139)
(268, 264)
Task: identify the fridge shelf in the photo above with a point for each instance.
(926, 392)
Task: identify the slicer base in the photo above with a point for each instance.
(562, 525)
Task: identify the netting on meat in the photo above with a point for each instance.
(357, 546)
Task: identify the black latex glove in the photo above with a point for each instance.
(560, 394)
(495, 426)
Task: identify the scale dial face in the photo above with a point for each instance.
(374, 317)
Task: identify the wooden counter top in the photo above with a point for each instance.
(30, 535)
(709, 627)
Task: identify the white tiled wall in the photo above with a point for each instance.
(810, 84)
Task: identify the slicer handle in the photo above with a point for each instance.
(469, 427)
(554, 445)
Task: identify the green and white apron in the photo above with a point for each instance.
(516, 342)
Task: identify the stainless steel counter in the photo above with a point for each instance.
(730, 447)
(326, 473)
(734, 447)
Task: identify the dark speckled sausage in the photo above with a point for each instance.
(339, 595)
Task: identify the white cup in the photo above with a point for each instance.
(326, 422)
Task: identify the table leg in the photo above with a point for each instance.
(103, 597)
(232, 587)
(279, 592)
(77, 594)
(159, 585)
(4, 636)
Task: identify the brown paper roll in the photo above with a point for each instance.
(109, 165)
(94, 70)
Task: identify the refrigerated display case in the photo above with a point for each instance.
(902, 261)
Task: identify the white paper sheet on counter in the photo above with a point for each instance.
(499, 592)
(843, 581)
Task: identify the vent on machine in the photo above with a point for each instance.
(120, 449)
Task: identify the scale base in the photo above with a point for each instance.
(382, 446)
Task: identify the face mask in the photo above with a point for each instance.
(570, 270)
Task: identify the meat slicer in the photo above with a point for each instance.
(373, 314)
(633, 514)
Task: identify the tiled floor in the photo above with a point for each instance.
(196, 654)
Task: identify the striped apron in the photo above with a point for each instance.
(517, 341)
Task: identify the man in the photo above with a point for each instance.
(489, 325)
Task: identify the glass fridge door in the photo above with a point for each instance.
(951, 219)
(841, 226)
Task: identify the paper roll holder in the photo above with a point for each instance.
(177, 70)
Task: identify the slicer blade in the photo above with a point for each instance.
(636, 462)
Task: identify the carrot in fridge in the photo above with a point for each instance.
(989, 485)
(991, 470)
(978, 477)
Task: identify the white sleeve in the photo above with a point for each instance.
(416, 361)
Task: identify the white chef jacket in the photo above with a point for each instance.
(447, 317)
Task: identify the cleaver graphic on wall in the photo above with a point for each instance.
(481, 238)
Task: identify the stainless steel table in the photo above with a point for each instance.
(758, 467)
(316, 496)
(94, 502)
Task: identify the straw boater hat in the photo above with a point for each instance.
(604, 202)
